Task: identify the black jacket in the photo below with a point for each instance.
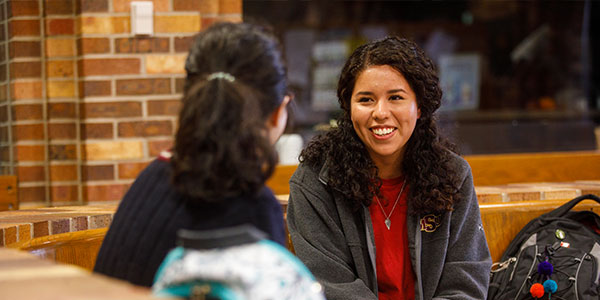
(144, 227)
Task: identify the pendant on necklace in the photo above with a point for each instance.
(388, 223)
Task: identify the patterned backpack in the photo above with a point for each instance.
(555, 256)
(233, 264)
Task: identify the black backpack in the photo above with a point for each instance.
(555, 256)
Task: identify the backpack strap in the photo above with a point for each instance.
(565, 208)
(536, 223)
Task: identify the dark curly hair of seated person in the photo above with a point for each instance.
(426, 164)
(235, 79)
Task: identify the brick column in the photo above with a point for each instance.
(27, 100)
(92, 104)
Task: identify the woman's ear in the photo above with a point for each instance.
(277, 121)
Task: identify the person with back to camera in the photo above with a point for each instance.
(380, 207)
(233, 111)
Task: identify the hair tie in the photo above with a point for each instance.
(221, 75)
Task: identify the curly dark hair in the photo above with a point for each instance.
(221, 146)
(426, 163)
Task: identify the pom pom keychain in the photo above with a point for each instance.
(550, 286)
(537, 290)
(545, 268)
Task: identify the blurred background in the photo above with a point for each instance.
(517, 76)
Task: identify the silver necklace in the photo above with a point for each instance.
(388, 222)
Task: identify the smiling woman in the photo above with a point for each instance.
(384, 113)
(381, 207)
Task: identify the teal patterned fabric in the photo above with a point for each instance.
(261, 270)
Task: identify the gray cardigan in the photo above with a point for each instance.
(449, 252)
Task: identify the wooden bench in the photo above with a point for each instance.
(499, 169)
(534, 167)
(279, 182)
(512, 189)
(66, 234)
(502, 221)
(76, 248)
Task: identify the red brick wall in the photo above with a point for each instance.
(88, 104)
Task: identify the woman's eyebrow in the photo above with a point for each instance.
(396, 91)
(367, 93)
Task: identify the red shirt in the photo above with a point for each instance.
(395, 278)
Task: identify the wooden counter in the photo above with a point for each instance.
(24, 276)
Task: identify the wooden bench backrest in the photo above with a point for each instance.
(76, 248)
(8, 192)
(500, 169)
(502, 221)
(534, 167)
(279, 182)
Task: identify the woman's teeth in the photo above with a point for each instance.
(383, 131)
